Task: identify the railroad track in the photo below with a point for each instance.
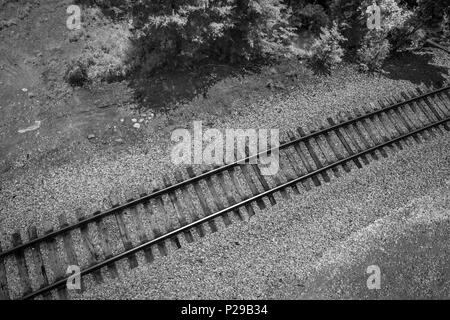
(190, 206)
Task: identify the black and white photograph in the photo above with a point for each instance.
(224, 156)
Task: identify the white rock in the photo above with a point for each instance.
(35, 126)
(134, 120)
(137, 125)
(141, 120)
(122, 120)
(24, 89)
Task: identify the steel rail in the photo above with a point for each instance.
(179, 230)
(437, 45)
(98, 215)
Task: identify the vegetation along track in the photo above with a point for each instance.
(187, 209)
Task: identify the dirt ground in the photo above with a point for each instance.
(46, 122)
(49, 129)
(35, 46)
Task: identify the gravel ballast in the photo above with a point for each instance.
(284, 241)
(273, 254)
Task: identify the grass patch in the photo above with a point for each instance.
(106, 54)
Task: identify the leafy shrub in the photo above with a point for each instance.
(353, 13)
(431, 13)
(266, 29)
(76, 73)
(108, 51)
(106, 54)
(311, 16)
(373, 52)
(445, 27)
(394, 16)
(327, 50)
(190, 31)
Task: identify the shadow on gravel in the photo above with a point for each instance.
(416, 67)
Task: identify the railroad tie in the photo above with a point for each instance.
(297, 169)
(352, 140)
(204, 205)
(228, 194)
(313, 154)
(93, 256)
(433, 110)
(167, 216)
(334, 149)
(367, 125)
(362, 137)
(239, 190)
(216, 199)
(38, 261)
(190, 206)
(69, 249)
(303, 158)
(55, 263)
(154, 222)
(179, 209)
(344, 142)
(21, 265)
(137, 219)
(4, 292)
(113, 202)
(105, 244)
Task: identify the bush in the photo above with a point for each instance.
(106, 54)
(190, 31)
(311, 16)
(445, 27)
(76, 73)
(431, 13)
(353, 14)
(327, 50)
(373, 52)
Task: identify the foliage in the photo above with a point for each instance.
(353, 14)
(108, 53)
(371, 47)
(445, 27)
(105, 54)
(374, 50)
(311, 16)
(431, 12)
(261, 30)
(76, 73)
(180, 33)
(427, 18)
(327, 50)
